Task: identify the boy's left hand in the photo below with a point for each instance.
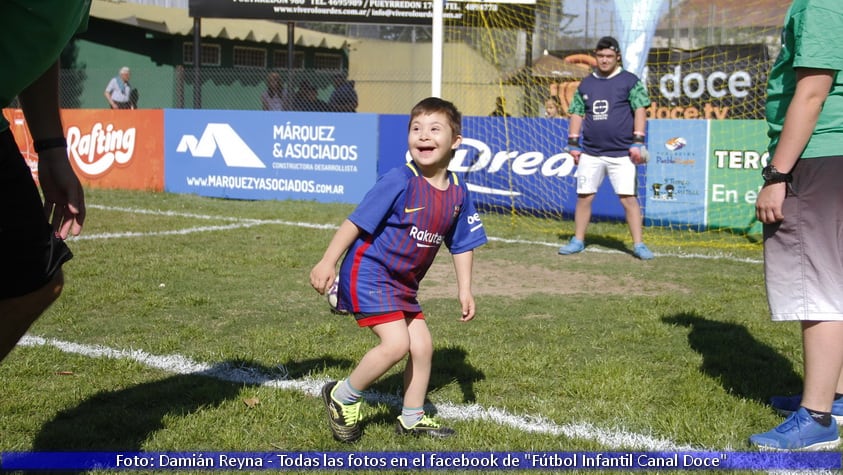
(468, 306)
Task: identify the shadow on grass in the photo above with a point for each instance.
(449, 365)
(302, 368)
(744, 366)
(123, 419)
(602, 241)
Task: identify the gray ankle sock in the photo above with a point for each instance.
(410, 416)
(345, 393)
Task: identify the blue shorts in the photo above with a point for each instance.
(30, 253)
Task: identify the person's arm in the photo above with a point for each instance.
(573, 146)
(64, 199)
(638, 151)
(107, 94)
(576, 110)
(323, 273)
(574, 125)
(812, 87)
(463, 265)
(640, 121)
(577, 113)
(109, 91)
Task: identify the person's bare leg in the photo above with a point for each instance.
(582, 215)
(417, 372)
(17, 314)
(394, 345)
(632, 210)
(822, 345)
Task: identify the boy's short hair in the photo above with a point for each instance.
(435, 104)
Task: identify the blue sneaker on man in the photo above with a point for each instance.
(798, 432)
(574, 246)
(787, 405)
(642, 252)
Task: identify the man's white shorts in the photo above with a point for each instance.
(593, 169)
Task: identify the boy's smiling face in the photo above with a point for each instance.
(431, 140)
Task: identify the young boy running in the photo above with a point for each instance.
(390, 241)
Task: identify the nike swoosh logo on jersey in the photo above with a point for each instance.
(412, 210)
(418, 244)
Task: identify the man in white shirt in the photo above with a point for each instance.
(119, 91)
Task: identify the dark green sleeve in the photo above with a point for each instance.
(638, 97)
(577, 106)
(33, 34)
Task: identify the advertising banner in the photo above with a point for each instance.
(497, 13)
(676, 173)
(327, 157)
(716, 82)
(17, 124)
(119, 149)
(511, 163)
(738, 153)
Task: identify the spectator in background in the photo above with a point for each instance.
(801, 206)
(344, 97)
(500, 108)
(272, 99)
(308, 100)
(119, 91)
(553, 108)
(32, 232)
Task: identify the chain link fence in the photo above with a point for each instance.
(389, 77)
(221, 88)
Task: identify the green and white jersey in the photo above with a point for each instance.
(811, 38)
(33, 34)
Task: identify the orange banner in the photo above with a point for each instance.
(122, 149)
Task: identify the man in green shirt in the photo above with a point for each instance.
(33, 34)
(801, 206)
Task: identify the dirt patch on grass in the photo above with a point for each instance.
(504, 278)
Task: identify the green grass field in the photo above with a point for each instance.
(188, 324)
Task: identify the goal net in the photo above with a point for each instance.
(705, 66)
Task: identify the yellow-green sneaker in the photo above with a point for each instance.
(343, 418)
(426, 426)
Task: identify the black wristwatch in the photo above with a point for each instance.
(771, 175)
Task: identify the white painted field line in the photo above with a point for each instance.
(610, 438)
(245, 223)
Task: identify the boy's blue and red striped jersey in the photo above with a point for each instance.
(404, 222)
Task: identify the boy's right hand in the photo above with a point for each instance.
(322, 276)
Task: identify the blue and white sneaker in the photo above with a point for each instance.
(787, 405)
(574, 246)
(798, 432)
(642, 252)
